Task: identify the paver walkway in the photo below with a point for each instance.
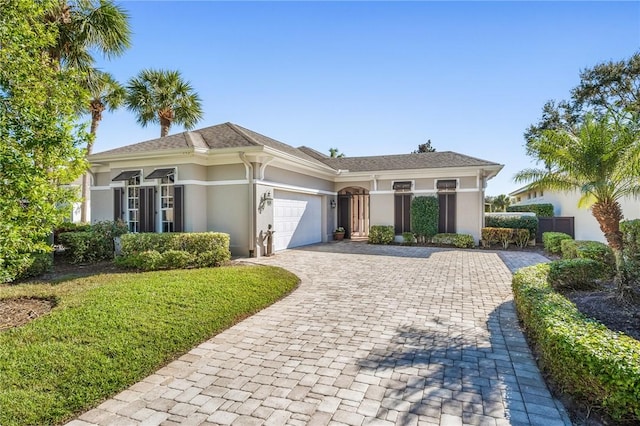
(374, 335)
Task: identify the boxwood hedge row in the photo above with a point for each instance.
(584, 357)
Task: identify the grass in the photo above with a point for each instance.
(109, 331)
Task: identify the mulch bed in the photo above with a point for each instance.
(17, 312)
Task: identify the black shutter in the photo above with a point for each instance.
(117, 203)
(147, 209)
(407, 213)
(447, 219)
(402, 213)
(178, 208)
(398, 214)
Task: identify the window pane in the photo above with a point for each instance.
(167, 215)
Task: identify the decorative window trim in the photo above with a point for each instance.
(402, 185)
(447, 185)
(161, 173)
(126, 175)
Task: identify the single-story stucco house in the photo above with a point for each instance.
(230, 179)
(565, 203)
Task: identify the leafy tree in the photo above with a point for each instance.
(84, 26)
(39, 142)
(600, 161)
(425, 147)
(610, 88)
(335, 153)
(105, 94)
(159, 96)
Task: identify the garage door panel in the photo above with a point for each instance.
(297, 219)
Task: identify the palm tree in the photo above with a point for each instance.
(86, 25)
(159, 96)
(105, 94)
(600, 161)
(500, 203)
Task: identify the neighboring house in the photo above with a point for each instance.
(230, 179)
(566, 204)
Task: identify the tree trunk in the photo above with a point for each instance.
(609, 214)
(96, 116)
(166, 117)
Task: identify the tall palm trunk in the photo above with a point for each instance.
(97, 107)
(608, 213)
(166, 117)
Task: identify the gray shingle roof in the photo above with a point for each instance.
(229, 135)
(425, 160)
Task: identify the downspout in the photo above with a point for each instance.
(252, 207)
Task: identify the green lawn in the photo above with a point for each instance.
(109, 331)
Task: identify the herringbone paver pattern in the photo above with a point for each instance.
(374, 335)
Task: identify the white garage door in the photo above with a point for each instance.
(297, 219)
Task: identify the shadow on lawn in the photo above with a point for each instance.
(444, 367)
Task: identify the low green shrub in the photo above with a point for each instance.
(456, 240)
(541, 210)
(407, 238)
(176, 259)
(381, 234)
(521, 237)
(174, 250)
(69, 227)
(585, 358)
(594, 250)
(552, 241)
(631, 252)
(514, 222)
(505, 236)
(576, 274)
(93, 244)
(39, 263)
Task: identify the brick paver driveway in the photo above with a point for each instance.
(374, 335)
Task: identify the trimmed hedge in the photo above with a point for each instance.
(505, 236)
(552, 241)
(541, 210)
(94, 244)
(456, 240)
(521, 222)
(424, 217)
(148, 251)
(408, 238)
(381, 234)
(576, 274)
(593, 250)
(584, 357)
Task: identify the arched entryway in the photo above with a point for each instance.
(353, 212)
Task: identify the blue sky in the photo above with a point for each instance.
(374, 78)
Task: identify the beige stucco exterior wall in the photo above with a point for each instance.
(381, 209)
(226, 172)
(195, 208)
(228, 211)
(469, 211)
(190, 172)
(101, 205)
(275, 174)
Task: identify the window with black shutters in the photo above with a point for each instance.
(402, 213)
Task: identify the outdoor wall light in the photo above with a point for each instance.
(265, 200)
(332, 203)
